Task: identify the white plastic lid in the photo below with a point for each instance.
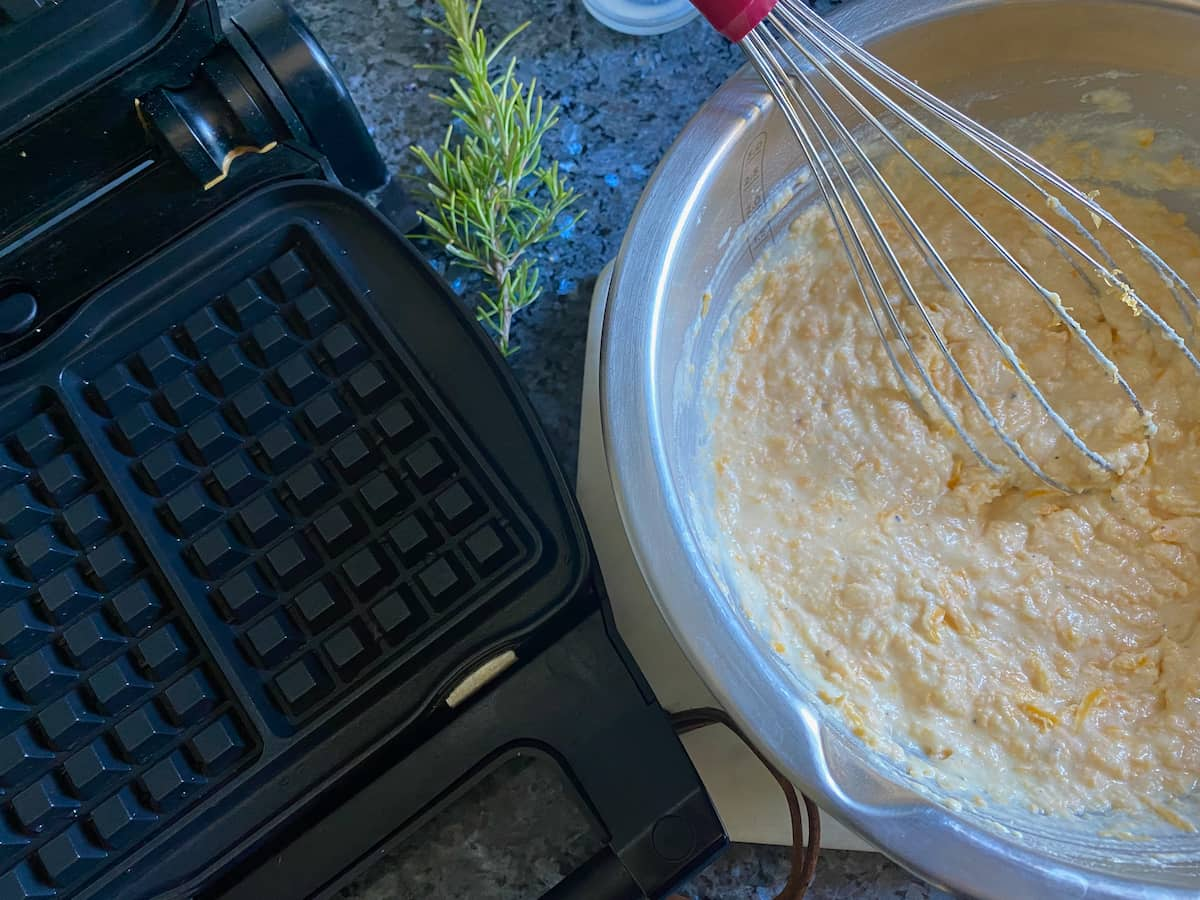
(642, 16)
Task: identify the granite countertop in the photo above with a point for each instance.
(623, 100)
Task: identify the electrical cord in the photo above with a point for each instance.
(804, 855)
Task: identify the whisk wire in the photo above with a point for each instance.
(999, 145)
(1013, 159)
(1052, 300)
(772, 72)
(901, 213)
(790, 36)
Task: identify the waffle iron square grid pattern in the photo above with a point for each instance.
(113, 717)
(326, 518)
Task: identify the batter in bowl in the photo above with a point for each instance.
(1019, 644)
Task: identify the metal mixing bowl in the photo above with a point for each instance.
(704, 218)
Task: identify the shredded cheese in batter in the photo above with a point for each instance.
(1027, 643)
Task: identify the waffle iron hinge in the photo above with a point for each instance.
(268, 83)
(220, 116)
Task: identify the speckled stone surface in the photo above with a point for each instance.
(623, 101)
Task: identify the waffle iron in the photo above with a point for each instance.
(285, 562)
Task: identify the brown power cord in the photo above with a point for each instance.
(804, 856)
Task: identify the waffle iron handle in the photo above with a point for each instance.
(631, 770)
(583, 704)
(602, 877)
(580, 703)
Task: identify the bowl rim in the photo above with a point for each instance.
(753, 686)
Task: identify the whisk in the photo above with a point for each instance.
(810, 67)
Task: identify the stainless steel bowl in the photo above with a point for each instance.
(704, 218)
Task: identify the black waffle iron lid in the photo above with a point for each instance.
(251, 532)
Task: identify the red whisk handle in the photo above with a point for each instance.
(734, 18)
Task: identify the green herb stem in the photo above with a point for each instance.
(491, 196)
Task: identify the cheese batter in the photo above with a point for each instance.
(1020, 644)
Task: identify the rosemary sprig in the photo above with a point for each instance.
(492, 198)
